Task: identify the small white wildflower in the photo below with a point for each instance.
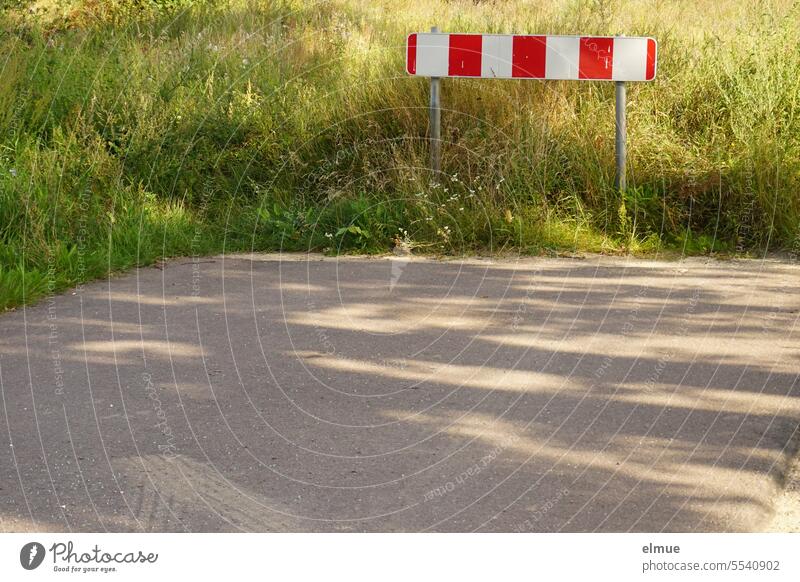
(13, 172)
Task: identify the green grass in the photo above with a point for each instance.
(132, 130)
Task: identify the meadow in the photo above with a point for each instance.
(133, 130)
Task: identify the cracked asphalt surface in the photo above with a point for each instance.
(302, 393)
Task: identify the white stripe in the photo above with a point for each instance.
(497, 55)
(630, 59)
(563, 53)
(433, 54)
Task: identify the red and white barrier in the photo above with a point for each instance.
(531, 57)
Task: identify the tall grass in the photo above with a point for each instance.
(136, 129)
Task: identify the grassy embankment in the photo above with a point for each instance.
(136, 129)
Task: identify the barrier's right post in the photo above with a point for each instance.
(619, 179)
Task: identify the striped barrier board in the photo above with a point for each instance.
(506, 56)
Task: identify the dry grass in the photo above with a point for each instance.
(134, 129)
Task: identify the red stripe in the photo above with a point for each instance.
(465, 55)
(596, 58)
(651, 60)
(411, 54)
(528, 56)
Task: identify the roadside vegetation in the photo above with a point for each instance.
(132, 130)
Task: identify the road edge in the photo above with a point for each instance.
(785, 516)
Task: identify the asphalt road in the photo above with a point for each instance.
(298, 393)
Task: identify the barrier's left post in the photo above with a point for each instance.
(435, 123)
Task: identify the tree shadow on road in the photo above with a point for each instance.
(288, 395)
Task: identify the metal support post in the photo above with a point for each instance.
(435, 123)
(619, 179)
